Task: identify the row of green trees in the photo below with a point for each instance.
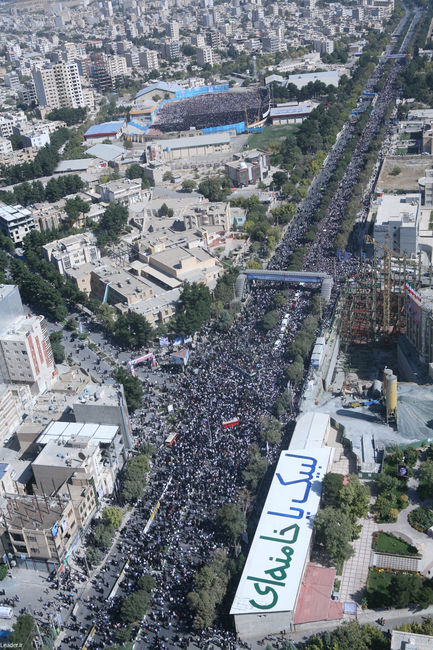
(134, 478)
(56, 188)
(132, 386)
(44, 163)
(336, 523)
(102, 534)
(69, 115)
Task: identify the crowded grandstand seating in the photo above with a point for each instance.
(214, 109)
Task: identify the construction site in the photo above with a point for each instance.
(372, 305)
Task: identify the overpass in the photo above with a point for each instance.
(295, 277)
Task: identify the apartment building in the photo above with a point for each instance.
(170, 50)
(47, 528)
(172, 30)
(272, 44)
(204, 56)
(26, 356)
(249, 168)
(149, 60)
(72, 252)
(92, 453)
(124, 191)
(5, 146)
(116, 67)
(11, 411)
(16, 221)
(117, 287)
(58, 86)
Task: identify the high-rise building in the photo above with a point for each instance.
(149, 60)
(11, 306)
(16, 222)
(171, 50)
(204, 55)
(26, 356)
(172, 30)
(59, 86)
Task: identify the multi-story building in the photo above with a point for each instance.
(27, 93)
(198, 40)
(172, 30)
(35, 138)
(149, 60)
(72, 252)
(249, 168)
(16, 222)
(397, 219)
(272, 44)
(324, 46)
(117, 287)
(59, 86)
(99, 71)
(26, 356)
(116, 67)
(204, 56)
(170, 49)
(214, 39)
(47, 528)
(12, 80)
(11, 411)
(124, 191)
(5, 146)
(91, 452)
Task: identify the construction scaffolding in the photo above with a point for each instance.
(371, 308)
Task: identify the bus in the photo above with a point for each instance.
(171, 439)
(228, 424)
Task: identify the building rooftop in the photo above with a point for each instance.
(71, 454)
(13, 212)
(284, 522)
(162, 86)
(105, 128)
(329, 78)
(193, 141)
(106, 152)
(78, 165)
(410, 641)
(34, 512)
(398, 207)
(75, 431)
(291, 110)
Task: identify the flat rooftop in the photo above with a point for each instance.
(315, 602)
(193, 141)
(285, 526)
(73, 431)
(396, 206)
(11, 213)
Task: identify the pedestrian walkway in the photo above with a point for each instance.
(355, 570)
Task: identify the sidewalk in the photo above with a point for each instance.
(355, 570)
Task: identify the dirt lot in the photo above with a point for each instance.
(412, 168)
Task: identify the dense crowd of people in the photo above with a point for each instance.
(238, 374)
(213, 109)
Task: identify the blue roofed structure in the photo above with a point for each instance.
(105, 130)
(161, 86)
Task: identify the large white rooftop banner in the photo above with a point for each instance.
(277, 556)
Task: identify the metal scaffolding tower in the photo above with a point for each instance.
(371, 308)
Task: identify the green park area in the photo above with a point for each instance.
(270, 134)
(398, 589)
(389, 543)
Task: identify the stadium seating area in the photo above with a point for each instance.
(213, 109)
